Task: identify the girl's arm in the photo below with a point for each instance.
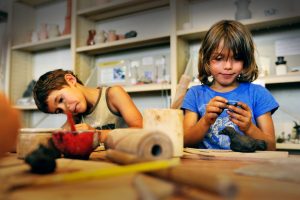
(264, 129)
(120, 102)
(194, 130)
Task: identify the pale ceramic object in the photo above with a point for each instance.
(243, 11)
(100, 37)
(43, 33)
(53, 30)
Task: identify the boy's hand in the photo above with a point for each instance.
(240, 115)
(83, 126)
(214, 108)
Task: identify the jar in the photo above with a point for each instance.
(53, 30)
(112, 36)
(100, 37)
(281, 67)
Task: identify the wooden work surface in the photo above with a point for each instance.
(122, 187)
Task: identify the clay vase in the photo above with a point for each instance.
(243, 11)
(53, 30)
(112, 36)
(67, 28)
(91, 37)
(100, 37)
(43, 33)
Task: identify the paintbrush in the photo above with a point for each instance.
(70, 118)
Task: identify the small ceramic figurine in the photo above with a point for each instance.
(91, 37)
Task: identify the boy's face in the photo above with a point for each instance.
(69, 96)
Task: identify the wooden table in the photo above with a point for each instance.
(122, 187)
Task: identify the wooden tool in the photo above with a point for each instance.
(220, 185)
(91, 174)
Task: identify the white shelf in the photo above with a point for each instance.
(147, 87)
(124, 44)
(115, 8)
(288, 146)
(46, 44)
(252, 24)
(288, 78)
(26, 107)
(292, 77)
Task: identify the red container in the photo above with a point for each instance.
(76, 144)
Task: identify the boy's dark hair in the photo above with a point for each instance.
(52, 80)
(237, 38)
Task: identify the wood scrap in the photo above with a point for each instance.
(214, 154)
(283, 169)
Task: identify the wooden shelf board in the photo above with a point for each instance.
(288, 146)
(147, 87)
(125, 44)
(50, 43)
(252, 24)
(288, 78)
(37, 2)
(26, 107)
(115, 8)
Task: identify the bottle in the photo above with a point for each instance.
(281, 67)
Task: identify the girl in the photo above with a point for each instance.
(227, 97)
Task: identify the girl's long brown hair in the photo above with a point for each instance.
(235, 37)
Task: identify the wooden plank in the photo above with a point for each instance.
(211, 154)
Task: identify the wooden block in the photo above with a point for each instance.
(168, 121)
(30, 139)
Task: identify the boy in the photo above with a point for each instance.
(99, 108)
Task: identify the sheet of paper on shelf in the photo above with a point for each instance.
(286, 47)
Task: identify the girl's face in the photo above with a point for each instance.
(225, 67)
(69, 96)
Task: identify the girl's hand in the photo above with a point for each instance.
(83, 126)
(240, 115)
(214, 108)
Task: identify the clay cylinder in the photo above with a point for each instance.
(168, 121)
(149, 145)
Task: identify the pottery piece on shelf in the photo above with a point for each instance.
(43, 32)
(112, 36)
(243, 11)
(100, 37)
(130, 34)
(53, 30)
(67, 29)
(91, 37)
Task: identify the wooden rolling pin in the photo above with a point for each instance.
(220, 185)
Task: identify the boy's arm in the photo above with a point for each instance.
(120, 101)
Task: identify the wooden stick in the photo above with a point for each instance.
(220, 185)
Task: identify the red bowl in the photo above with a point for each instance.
(75, 144)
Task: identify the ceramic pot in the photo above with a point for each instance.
(112, 36)
(53, 30)
(100, 37)
(43, 33)
(243, 11)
